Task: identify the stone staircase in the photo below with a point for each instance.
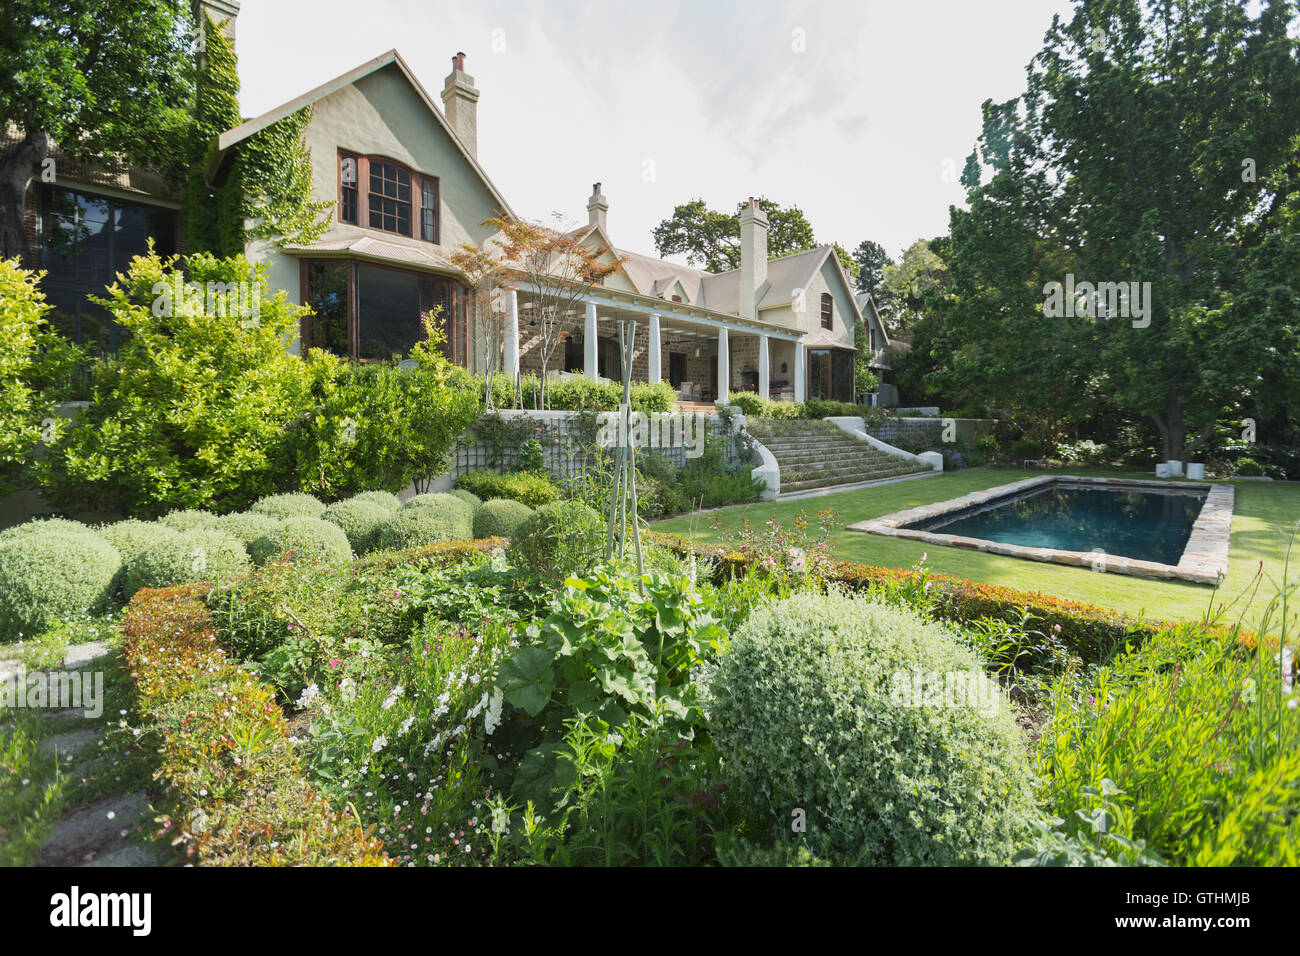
(815, 455)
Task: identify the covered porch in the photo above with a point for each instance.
(704, 357)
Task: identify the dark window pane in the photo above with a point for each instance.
(429, 210)
(390, 197)
(327, 294)
(389, 312)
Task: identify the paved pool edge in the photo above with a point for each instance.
(1204, 560)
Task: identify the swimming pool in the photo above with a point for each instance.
(1130, 526)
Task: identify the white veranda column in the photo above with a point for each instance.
(724, 367)
(591, 364)
(764, 367)
(510, 364)
(652, 354)
(800, 374)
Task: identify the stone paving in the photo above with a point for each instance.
(1204, 560)
(99, 834)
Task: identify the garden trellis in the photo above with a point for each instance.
(622, 499)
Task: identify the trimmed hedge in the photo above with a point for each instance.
(200, 555)
(473, 500)
(500, 517)
(360, 521)
(385, 499)
(190, 520)
(44, 524)
(303, 538)
(46, 576)
(295, 504)
(533, 488)
(437, 554)
(246, 526)
(131, 537)
(877, 723)
(1094, 633)
(428, 524)
(450, 504)
(226, 804)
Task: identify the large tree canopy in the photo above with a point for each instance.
(711, 240)
(101, 78)
(1156, 145)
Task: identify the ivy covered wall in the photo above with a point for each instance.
(267, 193)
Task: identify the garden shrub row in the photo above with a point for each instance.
(533, 488)
(1093, 633)
(233, 788)
(756, 406)
(581, 394)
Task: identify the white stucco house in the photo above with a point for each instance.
(402, 170)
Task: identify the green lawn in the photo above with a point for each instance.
(1264, 515)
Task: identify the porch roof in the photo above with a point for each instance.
(380, 251)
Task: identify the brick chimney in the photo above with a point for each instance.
(597, 208)
(753, 257)
(221, 12)
(460, 103)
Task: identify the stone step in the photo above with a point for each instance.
(836, 454)
(95, 832)
(845, 477)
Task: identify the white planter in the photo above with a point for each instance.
(1175, 469)
(1196, 470)
(1162, 469)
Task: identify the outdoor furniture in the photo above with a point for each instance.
(689, 392)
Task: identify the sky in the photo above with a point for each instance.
(860, 113)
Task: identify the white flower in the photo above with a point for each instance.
(392, 697)
(380, 743)
(347, 690)
(310, 694)
(493, 718)
(406, 725)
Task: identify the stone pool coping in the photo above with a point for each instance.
(1204, 560)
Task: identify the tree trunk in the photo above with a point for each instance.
(16, 171)
(1173, 430)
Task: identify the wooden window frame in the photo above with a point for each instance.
(355, 187)
(457, 322)
(828, 311)
(419, 181)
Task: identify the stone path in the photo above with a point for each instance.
(100, 833)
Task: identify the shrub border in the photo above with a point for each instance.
(269, 815)
(1092, 632)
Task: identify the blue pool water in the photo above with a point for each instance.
(1149, 525)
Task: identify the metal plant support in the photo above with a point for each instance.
(623, 496)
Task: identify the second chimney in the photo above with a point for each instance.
(460, 103)
(597, 209)
(753, 257)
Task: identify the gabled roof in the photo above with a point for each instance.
(233, 137)
(866, 301)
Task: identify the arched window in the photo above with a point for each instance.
(381, 193)
(828, 310)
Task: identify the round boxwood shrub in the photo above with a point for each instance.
(471, 499)
(204, 554)
(387, 499)
(558, 539)
(360, 521)
(48, 575)
(442, 502)
(500, 516)
(41, 525)
(190, 520)
(295, 504)
(412, 527)
(877, 724)
(246, 526)
(303, 539)
(131, 537)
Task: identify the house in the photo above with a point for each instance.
(403, 173)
